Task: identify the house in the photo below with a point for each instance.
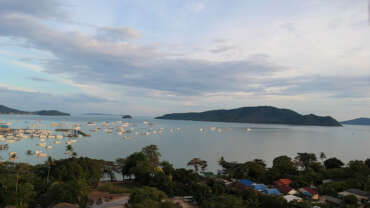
(309, 192)
(331, 200)
(362, 196)
(327, 181)
(247, 182)
(259, 187)
(287, 190)
(283, 182)
(272, 191)
(290, 198)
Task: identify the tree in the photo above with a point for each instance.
(198, 163)
(49, 163)
(306, 159)
(223, 201)
(152, 153)
(284, 165)
(333, 163)
(322, 156)
(350, 200)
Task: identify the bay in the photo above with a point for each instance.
(181, 141)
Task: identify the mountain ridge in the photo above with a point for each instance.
(7, 110)
(256, 114)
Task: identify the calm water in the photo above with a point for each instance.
(234, 142)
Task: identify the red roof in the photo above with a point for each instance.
(284, 189)
(283, 181)
(311, 191)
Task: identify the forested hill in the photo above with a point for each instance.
(357, 121)
(259, 114)
(6, 110)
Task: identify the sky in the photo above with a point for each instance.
(155, 57)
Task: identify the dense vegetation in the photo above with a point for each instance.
(151, 181)
(7, 110)
(357, 121)
(260, 114)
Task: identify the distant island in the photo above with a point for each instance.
(99, 114)
(357, 121)
(6, 110)
(126, 117)
(259, 114)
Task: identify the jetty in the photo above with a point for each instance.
(74, 132)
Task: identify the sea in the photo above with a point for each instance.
(180, 141)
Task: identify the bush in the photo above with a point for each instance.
(114, 189)
(146, 193)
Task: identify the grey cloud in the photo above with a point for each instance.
(117, 33)
(90, 60)
(337, 86)
(38, 8)
(39, 100)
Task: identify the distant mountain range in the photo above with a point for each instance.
(357, 121)
(259, 114)
(6, 110)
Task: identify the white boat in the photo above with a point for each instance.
(49, 147)
(51, 137)
(41, 144)
(213, 128)
(10, 141)
(57, 142)
(59, 136)
(201, 129)
(249, 129)
(68, 142)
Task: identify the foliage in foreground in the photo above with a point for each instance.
(154, 181)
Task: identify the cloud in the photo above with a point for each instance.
(36, 8)
(117, 34)
(222, 49)
(87, 59)
(38, 79)
(17, 97)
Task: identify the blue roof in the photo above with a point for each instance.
(273, 191)
(4, 126)
(259, 187)
(246, 182)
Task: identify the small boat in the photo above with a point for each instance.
(51, 137)
(91, 123)
(201, 129)
(41, 144)
(42, 155)
(49, 147)
(42, 140)
(213, 128)
(59, 136)
(249, 129)
(57, 142)
(10, 141)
